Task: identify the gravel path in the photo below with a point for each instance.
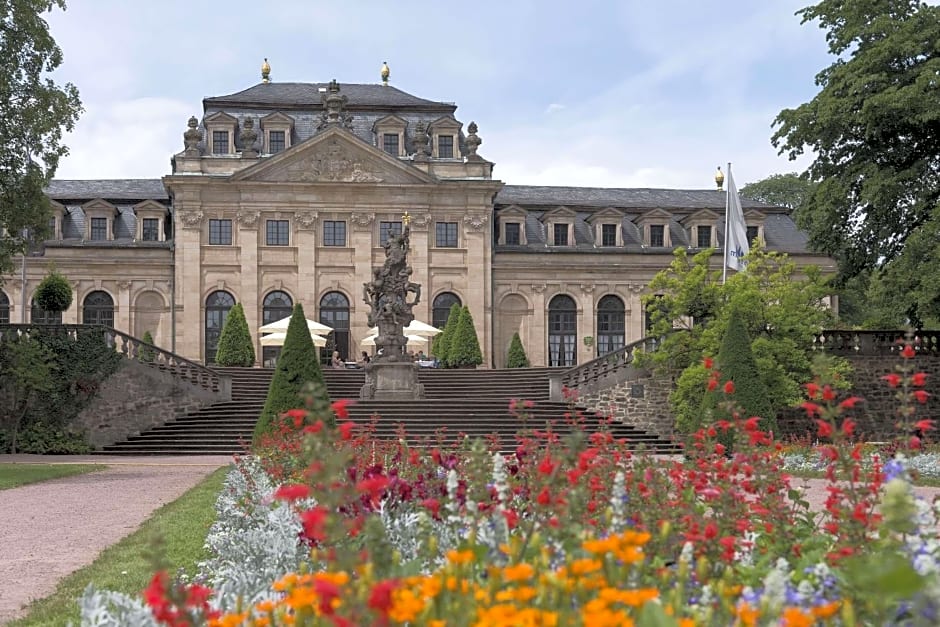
(53, 528)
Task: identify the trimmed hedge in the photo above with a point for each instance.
(298, 369)
(54, 293)
(517, 357)
(464, 350)
(146, 353)
(236, 347)
(441, 345)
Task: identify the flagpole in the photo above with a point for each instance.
(724, 259)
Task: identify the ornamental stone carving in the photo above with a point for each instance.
(422, 152)
(248, 136)
(191, 138)
(331, 163)
(248, 219)
(473, 142)
(539, 288)
(420, 221)
(124, 285)
(362, 220)
(305, 219)
(636, 288)
(587, 288)
(334, 105)
(191, 219)
(475, 221)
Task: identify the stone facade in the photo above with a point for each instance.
(641, 400)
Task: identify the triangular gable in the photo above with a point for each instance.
(753, 215)
(702, 215)
(512, 211)
(390, 121)
(654, 215)
(446, 122)
(559, 212)
(276, 118)
(98, 203)
(151, 206)
(608, 213)
(220, 117)
(333, 156)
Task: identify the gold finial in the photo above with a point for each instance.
(385, 73)
(719, 178)
(265, 71)
(406, 219)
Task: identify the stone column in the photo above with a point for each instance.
(476, 234)
(634, 323)
(419, 257)
(361, 226)
(189, 283)
(538, 352)
(122, 317)
(587, 323)
(248, 220)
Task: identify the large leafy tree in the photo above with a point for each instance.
(874, 128)
(788, 190)
(34, 113)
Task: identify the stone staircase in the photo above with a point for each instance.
(458, 403)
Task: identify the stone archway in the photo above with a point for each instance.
(150, 315)
(513, 314)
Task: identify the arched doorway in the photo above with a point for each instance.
(562, 331)
(218, 305)
(513, 313)
(611, 324)
(149, 315)
(4, 308)
(440, 308)
(334, 312)
(38, 315)
(276, 306)
(98, 308)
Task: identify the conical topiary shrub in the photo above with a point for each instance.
(235, 345)
(146, 353)
(464, 351)
(441, 345)
(297, 367)
(54, 293)
(517, 357)
(736, 363)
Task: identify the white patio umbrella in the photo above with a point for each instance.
(414, 341)
(415, 328)
(277, 339)
(280, 326)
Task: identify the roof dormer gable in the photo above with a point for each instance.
(513, 211)
(659, 216)
(149, 206)
(220, 118)
(445, 123)
(753, 216)
(700, 216)
(276, 118)
(100, 206)
(389, 122)
(563, 214)
(608, 214)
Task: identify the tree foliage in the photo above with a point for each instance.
(779, 309)
(146, 353)
(298, 367)
(874, 128)
(236, 347)
(517, 357)
(34, 113)
(783, 190)
(464, 350)
(442, 342)
(54, 293)
(27, 370)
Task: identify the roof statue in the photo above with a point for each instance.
(265, 71)
(385, 73)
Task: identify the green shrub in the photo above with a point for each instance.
(146, 353)
(517, 357)
(236, 347)
(441, 345)
(54, 293)
(464, 350)
(297, 367)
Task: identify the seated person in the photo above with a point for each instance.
(337, 361)
(363, 360)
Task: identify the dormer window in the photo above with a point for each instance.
(221, 133)
(391, 144)
(607, 226)
(220, 143)
(277, 142)
(609, 235)
(99, 220)
(277, 129)
(445, 146)
(657, 235)
(445, 133)
(55, 222)
(512, 233)
(654, 228)
(752, 231)
(511, 226)
(390, 135)
(560, 234)
(700, 228)
(151, 218)
(755, 226)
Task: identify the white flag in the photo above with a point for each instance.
(736, 244)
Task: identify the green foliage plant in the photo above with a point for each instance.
(54, 293)
(13, 475)
(146, 353)
(297, 368)
(442, 343)
(517, 357)
(236, 347)
(27, 369)
(783, 190)
(464, 351)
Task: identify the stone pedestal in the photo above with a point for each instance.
(391, 380)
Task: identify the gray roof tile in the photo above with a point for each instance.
(549, 196)
(307, 95)
(109, 189)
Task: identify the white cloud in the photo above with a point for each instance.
(553, 107)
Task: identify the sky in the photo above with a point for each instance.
(629, 93)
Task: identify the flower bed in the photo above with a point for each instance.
(579, 530)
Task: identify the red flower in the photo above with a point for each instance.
(326, 591)
(374, 486)
(433, 505)
(918, 379)
(712, 384)
(345, 430)
(892, 379)
(298, 415)
(914, 443)
(751, 423)
(547, 466)
(812, 390)
(729, 387)
(340, 408)
(544, 497)
(848, 427)
(314, 428)
(292, 492)
(155, 593)
(380, 598)
(512, 518)
(924, 425)
(908, 351)
(850, 402)
(314, 522)
(825, 429)
(921, 396)
(812, 409)
(828, 394)
(708, 363)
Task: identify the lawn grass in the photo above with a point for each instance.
(13, 475)
(175, 533)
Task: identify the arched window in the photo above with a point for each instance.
(440, 308)
(334, 312)
(276, 306)
(562, 331)
(98, 308)
(218, 305)
(4, 308)
(38, 315)
(611, 325)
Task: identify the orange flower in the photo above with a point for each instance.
(796, 617)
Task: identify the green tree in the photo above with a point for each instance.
(874, 131)
(441, 344)
(298, 366)
(517, 357)
(146, 353)
(783, 190)
(34, 113)
(736, 364)
(27, 368)
(464, 350)
(235, 344)
(780, 310)
(54, 293)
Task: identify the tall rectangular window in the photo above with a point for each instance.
(52, 227)
(513, 232)
(220, 142)
(334, 232)
(608, 235)
(657, 235)
(446, 235)
(561, 235)
(445, 146)
(390, 143)
(277, 141)
(751, 234)
(220, 232)
(149, 232)
(99, 229)
(704, 236)
(387, 229)
(277, 232)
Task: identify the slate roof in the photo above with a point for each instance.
(307, 95)
(550, 196)
(109, 189)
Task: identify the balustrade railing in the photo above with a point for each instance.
(132, 348)
(883, 342)
(608, 364)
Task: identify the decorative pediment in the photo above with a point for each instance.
(388, 122)
(608, 214)
(512, 211)
(99, 205)
(333, 156)
(654, 215)
(446, 122)
(559, 213)
(276, 118)
(702, 215)
(753, 216)
(150, 207)
(220, 118)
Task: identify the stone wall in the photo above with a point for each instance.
(642, 401)
(135, 398)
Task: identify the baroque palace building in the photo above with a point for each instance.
(285, 192)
